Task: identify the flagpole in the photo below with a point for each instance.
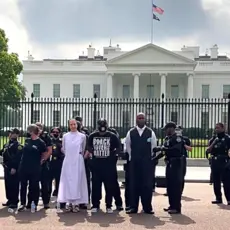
(151, 21)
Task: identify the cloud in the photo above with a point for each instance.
(64, 28)
(68, 21)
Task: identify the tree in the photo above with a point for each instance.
(11, 90)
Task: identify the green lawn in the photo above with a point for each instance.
(197, 152)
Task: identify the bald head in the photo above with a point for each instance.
(140, 120)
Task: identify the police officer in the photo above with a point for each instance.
(83, 128)
(187, 147)
(56, 159)
(117, 190)
(103, 145)
(173, 151)
(11, 153)
(218, 149)
(45, 173)
(208, 156)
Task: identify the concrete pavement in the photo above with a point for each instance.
(197, 214)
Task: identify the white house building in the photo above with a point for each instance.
(146, 72)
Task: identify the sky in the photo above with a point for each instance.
(65, 28)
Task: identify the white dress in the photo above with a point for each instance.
(73, 183)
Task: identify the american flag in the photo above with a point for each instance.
(157, 9)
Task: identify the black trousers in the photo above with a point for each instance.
(220, 174)
(88, 176)
(31, 179)
(127, 185)
(45, 183)
(174, 177)
(154, 176)
(11, 186)
(184, 171)
(55, 174)
(141, 183)
(103, 174)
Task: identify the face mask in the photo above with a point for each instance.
(28, 135)
(178, 132)
(102, 129)
(55, 135)
(13, 139)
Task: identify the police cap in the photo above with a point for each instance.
(59, 130)
(170, 125)
(15, 131)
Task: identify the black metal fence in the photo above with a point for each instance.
(197, 116)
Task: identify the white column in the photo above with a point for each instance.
(136, 85)
(163, 84)
(110, 85)
(190, 86)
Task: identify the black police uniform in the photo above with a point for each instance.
(127, 182)
(141, 170)
(11, 153)
(56, 162)
(103, 148)
(187, 142)
(45, 173)
(210, 160)
(30, 171)
(117, 191)
(220, 146)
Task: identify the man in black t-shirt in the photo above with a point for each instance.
(103, 145)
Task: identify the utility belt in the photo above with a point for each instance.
(172, 159)
(219, 157)
(57, 158)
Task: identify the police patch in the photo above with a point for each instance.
(19, 147)
(178, 139)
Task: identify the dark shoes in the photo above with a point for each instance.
(131, 211)
(217, 202)
(6, 204)
(119, 208)
(172, 211)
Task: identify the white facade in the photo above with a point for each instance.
(147, 72)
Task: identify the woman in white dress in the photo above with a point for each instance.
(73, 184)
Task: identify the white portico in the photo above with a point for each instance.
(150, 65)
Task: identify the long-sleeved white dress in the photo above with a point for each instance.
(73, 183)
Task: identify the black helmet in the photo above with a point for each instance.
(78, 118)
(102, 125)
(78, 126)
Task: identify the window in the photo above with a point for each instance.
(97, 90)
(56, 118)
(126, 91)
(36, 116)
(205, 91)
(56, 90)
(75, 113)
(36, 90)
(126, 119)
(150, 91)
(76, 91)
(174, 91)
(174, 117)
(226, 91)
(205, 120)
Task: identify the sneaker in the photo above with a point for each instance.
(94, 210)
(75, 209)
(109, 210)
(68, 207)
(120, 208)
(22, 208)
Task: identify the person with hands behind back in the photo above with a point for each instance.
(33, 155)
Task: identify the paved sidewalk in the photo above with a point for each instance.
(198, 214)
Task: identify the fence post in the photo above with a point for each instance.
(229, 113)
(162, 117)
(95, 111)
(32, 108)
